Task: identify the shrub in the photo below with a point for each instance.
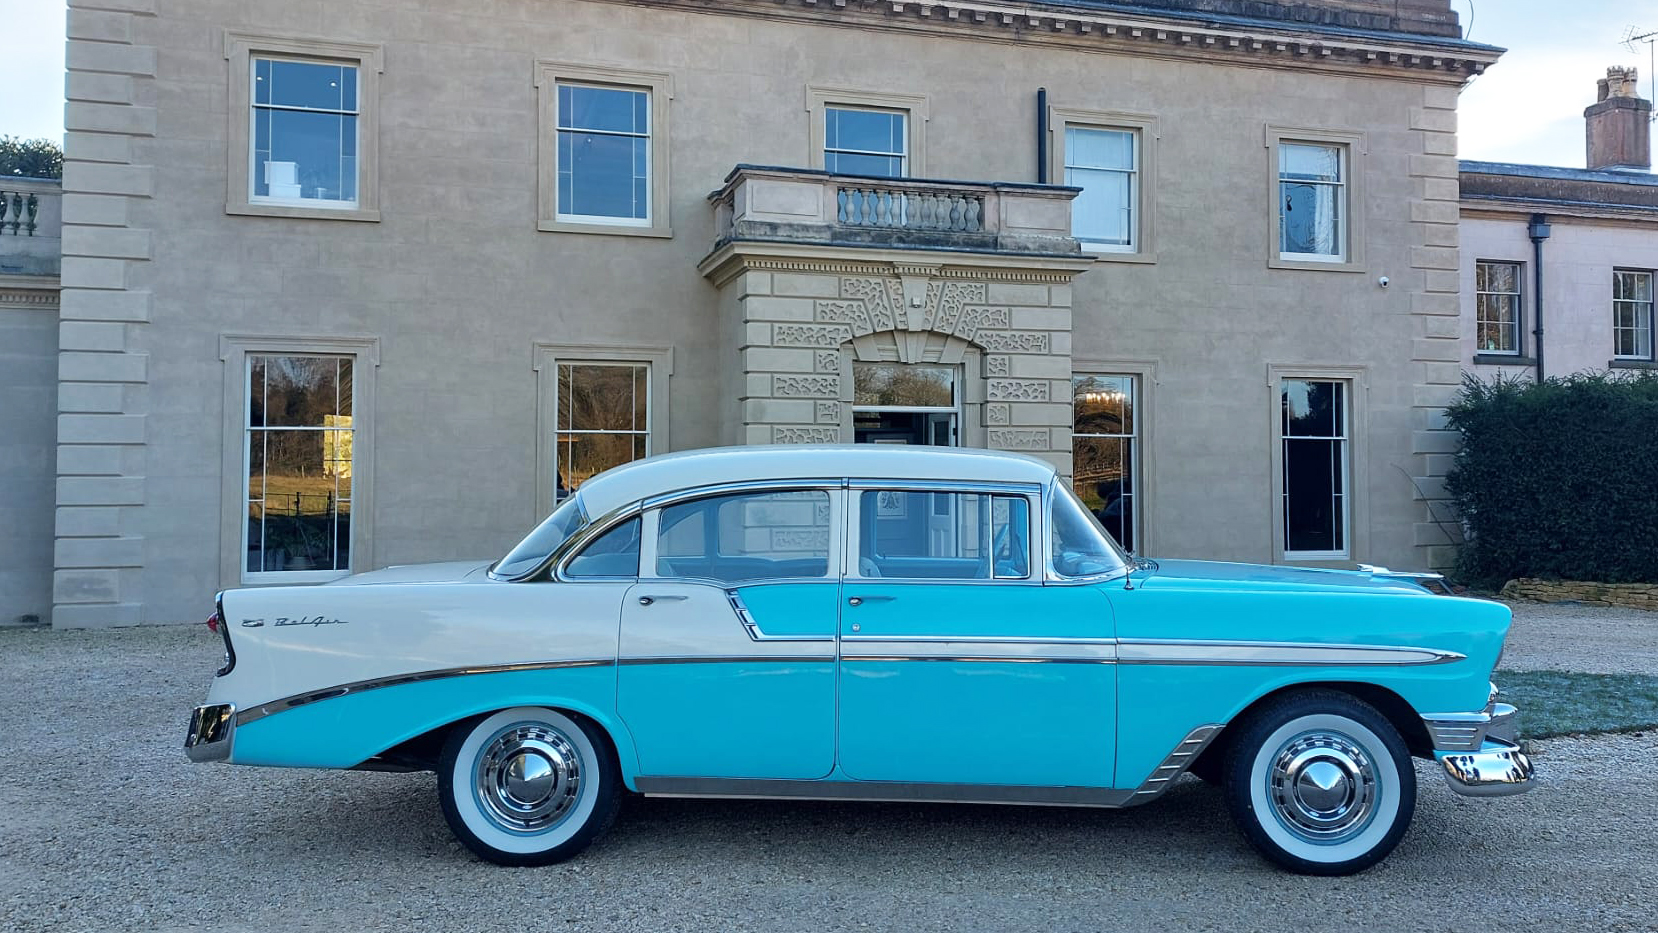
(32, 158)
(1558, 479)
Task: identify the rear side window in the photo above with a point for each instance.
(612, 554)
(745, 537)
(943, 535)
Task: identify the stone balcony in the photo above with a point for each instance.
(769, 204)
(31, 226)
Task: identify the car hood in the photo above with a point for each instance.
(1203, 574)
(453, 571)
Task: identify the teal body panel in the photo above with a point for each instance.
(718, 709)
(770, 719)
(346, 731)
(954, 721)
(1161, 703)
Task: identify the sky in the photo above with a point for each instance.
(1527, 108)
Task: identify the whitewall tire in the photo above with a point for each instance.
(1320, 783)
(528, 786)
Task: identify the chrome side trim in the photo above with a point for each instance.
(210, 732)
(1498, 769)
(256, 713)
(885, 791)
(1176, 764)
(978, 648)
(729, 659)
(990, 658)
(1201, 651)
(753, 628)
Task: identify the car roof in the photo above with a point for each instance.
(653, 476)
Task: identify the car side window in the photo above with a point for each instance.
(612, 554)
(744, 537)
(943, 535)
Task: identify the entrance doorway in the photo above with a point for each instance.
(905, 403)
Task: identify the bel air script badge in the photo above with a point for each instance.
(302, 620)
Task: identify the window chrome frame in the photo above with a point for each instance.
(1050, 574)
(651, 528)
(1030, 492)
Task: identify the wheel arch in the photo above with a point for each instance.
(1393, 707)
(421, 752)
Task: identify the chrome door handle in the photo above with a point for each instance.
(860, 600)
(647, 600)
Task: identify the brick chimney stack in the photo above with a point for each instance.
(1619, 125)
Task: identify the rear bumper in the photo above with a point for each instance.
(1498, 769)
(210, 733)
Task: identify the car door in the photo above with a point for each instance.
(959, 665)
(726, 664)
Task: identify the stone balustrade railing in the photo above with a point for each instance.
(31, 226)
(806, 205)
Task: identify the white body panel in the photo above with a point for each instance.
(344, 635)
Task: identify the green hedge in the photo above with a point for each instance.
(1558, 480)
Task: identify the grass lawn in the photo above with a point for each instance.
(1563, 702)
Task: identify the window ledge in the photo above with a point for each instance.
(572, 226)
(1632, 364)
(1105, 256)
(304, 213)
(1313, 265)
(1502, 359)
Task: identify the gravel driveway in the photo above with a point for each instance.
(105, 826)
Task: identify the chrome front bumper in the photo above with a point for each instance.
(1498, 769)
(211, 729)
(1480, 752)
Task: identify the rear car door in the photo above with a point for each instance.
(727, 648)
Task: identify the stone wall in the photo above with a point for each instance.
(1628, 595)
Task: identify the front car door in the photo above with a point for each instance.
(960, 663)
(727, 649)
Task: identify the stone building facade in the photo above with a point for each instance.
(510, 268)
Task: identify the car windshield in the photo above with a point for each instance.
(1081, 546)
(569, 518)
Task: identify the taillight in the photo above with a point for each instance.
(213, 622)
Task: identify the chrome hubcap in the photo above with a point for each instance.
(529, 777)
(1323, 786)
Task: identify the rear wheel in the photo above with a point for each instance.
(527, 786)
(1320, 783)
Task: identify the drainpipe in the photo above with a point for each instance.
(1041, 135)
(1539, 231)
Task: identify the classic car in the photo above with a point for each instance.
(866, 623)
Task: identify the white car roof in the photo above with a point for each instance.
(689, 469)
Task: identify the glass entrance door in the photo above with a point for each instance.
(905, 403)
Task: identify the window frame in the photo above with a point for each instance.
(1144, 129)
(240, 51)
(1650, 322)
(1035, 552)
(1136, 444)
(1354, 153)
(660, 87)
(914, 106)
(547, 357)
(1356, 512)
(234, 351)
(1519, 306)
(1144, 373)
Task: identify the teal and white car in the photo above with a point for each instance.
(866, 623)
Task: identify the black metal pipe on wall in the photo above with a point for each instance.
(1539, 231)
(1041, 135)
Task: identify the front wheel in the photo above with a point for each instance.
(527, 786)
(1321, 783)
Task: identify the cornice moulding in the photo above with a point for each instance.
(1292, 46)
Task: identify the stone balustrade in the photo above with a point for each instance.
(811, 206)
(31, 226)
